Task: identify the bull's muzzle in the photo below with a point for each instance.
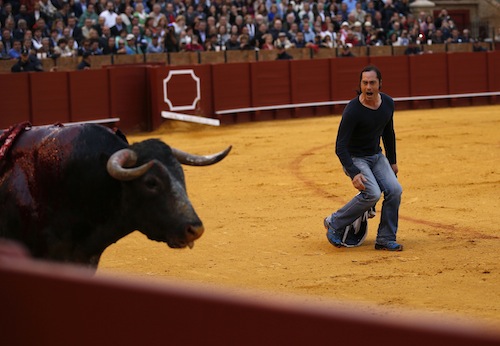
(192, 233)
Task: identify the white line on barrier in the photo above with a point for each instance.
(190, 118)
(330, 103)
(97, 121)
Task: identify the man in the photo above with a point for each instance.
(85, 64)
(27, 63)
(282, 54)
(365, 120)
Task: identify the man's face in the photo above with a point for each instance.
(370, 85)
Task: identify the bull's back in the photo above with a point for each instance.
(50, 178)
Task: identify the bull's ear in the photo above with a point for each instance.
(200, 160)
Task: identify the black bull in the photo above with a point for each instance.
(68, 192)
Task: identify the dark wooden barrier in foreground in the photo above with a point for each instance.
(43, 304)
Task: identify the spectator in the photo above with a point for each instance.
(89, 13)
(358, 13)
(413, 48)
(3, 54)
(268, 42)
(245, 42)
(62, 49)
(109, 14)
(122, 47)
(308, 32)
(27, 63)
(232, 43)
(140, 13)
(118, 27)
(346, 51)
(156, 14)
(283, 40)
(211, 45)
(133, 47)
(171, 40)
(74, 30)
(20, 31)
(45, 51)
(48, 9)
(299, 41)
(282, 53)
(85, 64)
(15, 51)
(194, 45)
(476, 47)
(7, 39)
(111, 47)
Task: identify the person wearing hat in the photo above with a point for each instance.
(283, 40)
(282, 54)
(132, 46)
(27, 63)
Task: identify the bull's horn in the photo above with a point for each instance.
(121, 159)
(199, 160)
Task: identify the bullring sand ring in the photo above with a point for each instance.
(263, 210)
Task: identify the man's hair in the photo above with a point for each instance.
(371, 68)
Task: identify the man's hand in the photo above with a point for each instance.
(395, 168)
(358, 182)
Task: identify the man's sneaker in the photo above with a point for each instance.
(335, 238)
(389, 246)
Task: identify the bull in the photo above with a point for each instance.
(68, 192)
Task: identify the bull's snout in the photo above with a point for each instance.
(192, 233)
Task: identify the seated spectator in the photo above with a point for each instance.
(15, 51)
(346, 51)
(85, 63)
(194, 45)
(132, 46)
(3, 53)
(122, 47)
(268, 42)
(211, 45)
(282, 54)
(155, 45)
(327, 42)
(245, 43)
(283, 41)
(299, 41)
(232, 43)
(45, 51)
(413, 48)
(27, 63)
(476, 47)
(62, 49)
(110, 47)
(437, 37)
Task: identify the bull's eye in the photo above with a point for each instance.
(153, 184)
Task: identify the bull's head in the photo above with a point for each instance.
(155, 187)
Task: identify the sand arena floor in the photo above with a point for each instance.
(263, 209)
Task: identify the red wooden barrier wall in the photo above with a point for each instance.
(89, 95)
(135, 93)
(44, 304)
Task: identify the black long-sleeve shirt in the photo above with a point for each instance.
(360, 131)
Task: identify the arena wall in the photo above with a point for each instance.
(48, 304)
(142, 96)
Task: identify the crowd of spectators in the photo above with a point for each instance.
(59, 28)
